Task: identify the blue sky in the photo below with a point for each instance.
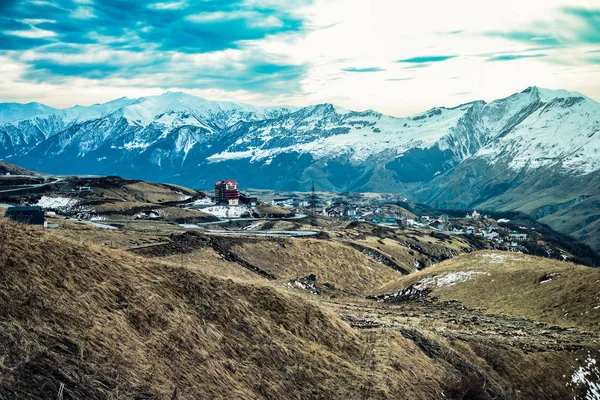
(395, 57)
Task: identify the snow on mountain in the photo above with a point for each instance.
(514, 153)
(564, 130)
(10, 112)
(531, 129)
(148, 119)
(326, 131)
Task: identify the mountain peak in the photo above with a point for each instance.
(551, 94)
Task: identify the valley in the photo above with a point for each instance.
(505, 155)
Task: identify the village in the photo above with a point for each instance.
(396, 217)
(229, 203)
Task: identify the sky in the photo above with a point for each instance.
(396, 57)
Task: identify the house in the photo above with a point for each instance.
(475, 215)
(351, 212)
(425, 218)
(282, 202)
(470, 230)
(304, 203)
(226, 192)
(251, 201)
(541, 243)
(491, 235)
(82, 189)
(519, 237)
(376, 220)
(337, 210)
(27, 215)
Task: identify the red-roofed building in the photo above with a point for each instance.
(227, 192)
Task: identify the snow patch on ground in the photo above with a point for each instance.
(587, 376)
(203, 202)
(226, 211)
(497, 258)
(448, 279)
(57, 203)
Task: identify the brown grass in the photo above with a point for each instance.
(335, 263)
(513, 287)
(273, 212)
(111, 325)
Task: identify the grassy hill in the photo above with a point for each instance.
(108, 324)
(542, 289)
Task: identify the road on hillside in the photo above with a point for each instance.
(32, 186)
(227, 220)
(263, 233)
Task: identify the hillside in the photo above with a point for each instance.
(6, 168)
(106, 324)
(109, 324)
(513, 284)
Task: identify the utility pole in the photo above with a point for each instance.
(313, 205)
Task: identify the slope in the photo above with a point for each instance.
(107, 324)
(513, 284)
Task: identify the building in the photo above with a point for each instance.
(26, 215)
(283, 202)
(251, 201)
(226, 192)
(519, 237)
(83, 189)
(541, 243)
(492, 235)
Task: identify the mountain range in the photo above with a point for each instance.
(537, 151)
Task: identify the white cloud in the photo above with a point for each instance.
(351, 34)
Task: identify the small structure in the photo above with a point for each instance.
(251, 201)
(492, 235)
(282, 202)
(519, 237)
(226, 192)
(27, 215)
(541, 243)
(83, 189)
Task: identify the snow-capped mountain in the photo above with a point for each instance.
(531, 129)
(476, 154)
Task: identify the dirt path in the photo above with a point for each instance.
(452, 320)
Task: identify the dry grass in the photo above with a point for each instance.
(335, 263)
(111, 325)
(273, 212)
(208, 261)
(512, 285)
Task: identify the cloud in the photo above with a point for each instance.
(153, 44)
(366, 69)
(250, 71)
(573, 26)
(425, 59)
(512, 57)
(185, 26)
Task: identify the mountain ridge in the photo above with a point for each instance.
(464, 156)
